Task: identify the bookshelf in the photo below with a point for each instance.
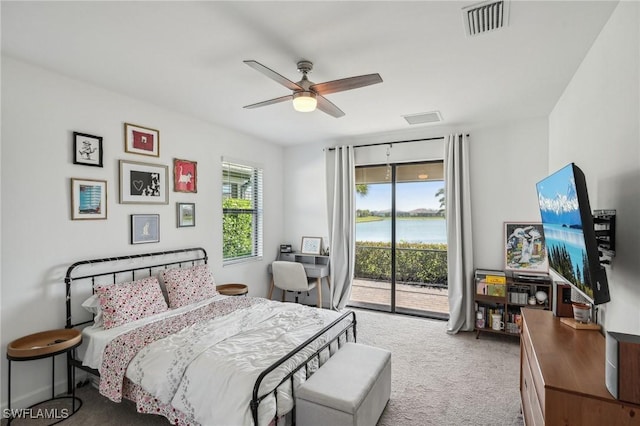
(500, 295)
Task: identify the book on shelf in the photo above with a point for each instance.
(496, 279)
(499, 290)
(491, 282)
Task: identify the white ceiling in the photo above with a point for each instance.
(187, 57)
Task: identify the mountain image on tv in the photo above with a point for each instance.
(560, 212)
(558, 199)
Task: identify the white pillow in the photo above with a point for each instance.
(92, 304)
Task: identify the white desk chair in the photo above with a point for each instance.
(290, 276)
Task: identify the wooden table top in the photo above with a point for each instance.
(232, 289)
(44, 343)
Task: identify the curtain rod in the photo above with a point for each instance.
(391, 143)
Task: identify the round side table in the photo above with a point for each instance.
(43, 345)
(233, 289)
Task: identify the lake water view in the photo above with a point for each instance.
(431, 230)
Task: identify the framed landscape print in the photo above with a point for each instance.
(143, 183)
(145, 228)
(525, 249)
(88, 199)
(186, 214)
(185, 175)
(141, 140)
(87, 149)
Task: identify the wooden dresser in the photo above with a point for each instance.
(562, 376)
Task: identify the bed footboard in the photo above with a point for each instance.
(341, 327)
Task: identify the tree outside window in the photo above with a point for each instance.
(242, 212)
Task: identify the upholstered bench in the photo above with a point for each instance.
(351, 388)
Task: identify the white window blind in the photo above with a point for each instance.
(242, 212)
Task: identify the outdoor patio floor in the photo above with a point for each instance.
(426, 299)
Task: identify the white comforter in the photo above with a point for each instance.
(208, 370)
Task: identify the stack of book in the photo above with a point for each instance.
(491, 283)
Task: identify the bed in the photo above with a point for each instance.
(156, 333)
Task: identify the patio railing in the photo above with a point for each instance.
(414, 265)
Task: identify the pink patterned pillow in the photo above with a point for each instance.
(188, 285)
(125, 302)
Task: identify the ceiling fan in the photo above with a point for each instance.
(308, 95)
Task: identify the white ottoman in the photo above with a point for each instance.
(350, 389)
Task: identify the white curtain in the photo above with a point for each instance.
(460, 248)
(341, 213)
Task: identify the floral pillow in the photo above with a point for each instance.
(122, 303)
(188, 285)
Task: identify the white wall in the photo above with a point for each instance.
(507, 160)
(40, 110)
(596, 124)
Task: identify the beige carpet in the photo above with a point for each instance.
(441, 379)
(437, 379)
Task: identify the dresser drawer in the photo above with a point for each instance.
(530, 402)
(534, 369)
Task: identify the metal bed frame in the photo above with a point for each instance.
(343, 328)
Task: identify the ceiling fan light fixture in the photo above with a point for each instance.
(304, 101)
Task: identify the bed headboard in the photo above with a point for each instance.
(129, 267)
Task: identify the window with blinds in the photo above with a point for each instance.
(241, 212)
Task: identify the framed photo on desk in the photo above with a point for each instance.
(311, 245)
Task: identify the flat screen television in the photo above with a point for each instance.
(567, 222)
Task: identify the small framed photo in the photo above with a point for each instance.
(88, 199)
(87, 149)
(186, 214)
(145, 228)
(141, 140)
(311, 245)
(185, 175)
(143, 183)
(525, 249)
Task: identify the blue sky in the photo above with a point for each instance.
(409, 196)
(557, 183)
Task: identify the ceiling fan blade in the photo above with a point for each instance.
(273, 75)
(270, 102)
(346, 84)
(328, 107)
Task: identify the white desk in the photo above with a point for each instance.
(315, 266)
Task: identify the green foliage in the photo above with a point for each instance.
(237, 229)
(441, 200)
(362, 189)
(416, 262)
(362, 219)
(560, 260)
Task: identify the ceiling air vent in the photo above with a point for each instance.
(424, 117)
(487, 16)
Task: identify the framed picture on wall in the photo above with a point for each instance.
(88, 199)
(525, 249)
(185, 175)
(143, 183)
(141, 140)
(145, 228)
(311, 245)
(87, 149)
(186, 214)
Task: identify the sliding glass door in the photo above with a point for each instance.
(401, 258)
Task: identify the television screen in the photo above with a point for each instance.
(567, 223)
